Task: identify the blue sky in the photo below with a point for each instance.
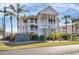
(34, 8)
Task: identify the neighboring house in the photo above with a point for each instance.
(76, 27)
(44, 23)
(69, 29)
(63, 29)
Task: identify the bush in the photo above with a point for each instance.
(10, 38)
(35, 37)
(66, 36)
(42, 38)
(49, 38)
(56, 36)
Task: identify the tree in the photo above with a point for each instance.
(66, 21)
(73, 20)
(24, 18)
(18, 9)
(0, 30)
(77, 25)
(11, 14)
(4, 25)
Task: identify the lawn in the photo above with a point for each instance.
(35, 45)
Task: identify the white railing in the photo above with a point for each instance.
(47, 25)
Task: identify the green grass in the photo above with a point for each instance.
(35, 45)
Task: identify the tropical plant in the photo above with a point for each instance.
(56, 35)
(18, 9)
(66, 21)
(24, 18)
(0, 30)
(35, 37)
(10, 38)
(42, 38)
(66, 36)
(76, 21)
(4, 15)
(72, 21)
(77, 25)
(11, 14)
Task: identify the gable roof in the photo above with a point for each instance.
(49, 10)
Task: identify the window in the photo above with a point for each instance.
(35, 20)
(54, 20)
(44, 31)
(52, 30)
(33, 27)
(32, 20)
(50, 20)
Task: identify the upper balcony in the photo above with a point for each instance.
(33, 28)
(47, 25)
(33, 21)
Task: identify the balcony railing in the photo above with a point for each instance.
(33, 30)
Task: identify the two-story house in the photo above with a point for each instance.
(44, 23)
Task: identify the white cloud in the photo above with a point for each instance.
(65, 5)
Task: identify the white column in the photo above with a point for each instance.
(57, 24)
(39, 30)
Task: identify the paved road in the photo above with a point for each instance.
(56, 50)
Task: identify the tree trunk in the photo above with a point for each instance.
(11, 24)
(17, 22)
(72, 30)
(4, 27)
(76, 28)
(66, 26)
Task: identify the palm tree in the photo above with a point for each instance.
(0, 30)
(77, 24)
(66, 21)
(18, 9)
(4, 25)
(25, 19)
(72, 21)
(11, 14)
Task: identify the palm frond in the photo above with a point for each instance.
(67, 22)
(26, 10)
(12, 7)
(1, 11)
(23, 6)
(10, 13)
(24, 18)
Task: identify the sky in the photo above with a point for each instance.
(62, 8)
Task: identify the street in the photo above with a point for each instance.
(55, 50)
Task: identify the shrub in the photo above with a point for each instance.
(56, 36)
(10, 38)
(35, 37)
(66, 36)
(49, 38)
(42, 38)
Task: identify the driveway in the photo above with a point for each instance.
(56, 50)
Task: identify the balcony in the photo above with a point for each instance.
(33, 28)
(47, 26)
(33, 21)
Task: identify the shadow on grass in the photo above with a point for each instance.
(20, 44)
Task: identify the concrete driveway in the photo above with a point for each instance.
(56, 50)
